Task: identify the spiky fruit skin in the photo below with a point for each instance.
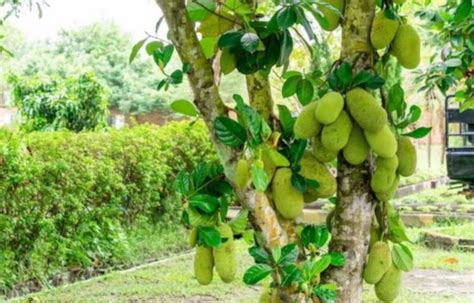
(224, 255)
(388, 195)
(384, 174)
(288, 200)
(383, 142)
(407, 156)
(335, 136)
(315, 170)
(306, 126)
(242, 174)
(329, 108)
(407, 47)
(388, 288)
(193, 237)
(383, 30)
(332, 18)
(379, 261)
(357, 149)
(203, 265)
(321, 153)
(365, 110)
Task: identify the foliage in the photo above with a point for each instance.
(67, 198)
(74, 103)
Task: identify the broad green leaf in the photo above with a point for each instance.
(396, 98)
(414, 114)
(396, 228)
(184, 107)
(361, 78)
(209, 46)
(291, 273)
(337, 259)
(322, 264)
(214, 25)
(313, 183)
(257, 273)
(299, 182)
(227, 61)
(199, 174)
(327, 292)
(296, 151)
(230, 132)
(230, 39)
(286, 119)
(240, 222)
(197, 219)
(209, 236)
(454, 62)
(183, 182)
(289, 255)
(176, 77)
(259, 254)
(463, 10)
(237, 7)
(135, 49)
(152, 46)
(285, 50)
(167, 54)
(375, 82)
(305, 91)
(199, 11)
(290, 85)
(419, 132)
(344, 75)
(402, 257)
(260, 178)
(250, 42)
(286, 17)
(206, 203)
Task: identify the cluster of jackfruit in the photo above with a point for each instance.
(223, 258)
(403, 39)
(381, 271)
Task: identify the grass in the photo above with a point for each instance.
(441, 194)
(463, 231)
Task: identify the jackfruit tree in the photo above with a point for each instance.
(349, 144)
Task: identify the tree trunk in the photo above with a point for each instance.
(355, 200)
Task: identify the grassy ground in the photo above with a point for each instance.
(173, 281)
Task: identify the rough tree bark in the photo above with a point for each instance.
(355, 201)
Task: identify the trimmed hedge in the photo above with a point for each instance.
(66, 199)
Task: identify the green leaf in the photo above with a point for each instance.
(402, 257)
(296, 151)
(361, 78)
(463, 10)
(396, 99)
(316, 235)
(230, 132)
(230, 39)
(337, 259)
(277, 159)
(259, 255)
(152, 46)
(260, 178)
(313, 183)
(197, 219)
(167, 54)
(327, 292)
(321, 265)
(396, 228)
(135, 49)
(257, 273)
(184, 107)
(291, 273)
(289, 255)
(183, 182)
(199, 174)
(208, 45)
(375, 82)
(240, 222)
(199, 11)
(176, 77)
(206, 203)
(419, 132)
(299, 182)
(305, 91)
(250, 42)
(344, 75)
(209, 236)
(290, 85)
(285, 50)
(286, 119)
(286, 17)
(414, 114)
(228, 63)
(454, 62)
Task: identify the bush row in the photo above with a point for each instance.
(66, 199)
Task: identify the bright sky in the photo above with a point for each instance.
(134, 16)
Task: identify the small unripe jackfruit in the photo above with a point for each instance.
(383, 30)
(288, 200)
(242, 174)
(306, 126)
(380, 260)
(365, 110)
(193, 237)
(357, 148)
(224, 255)
(407, 47)
(314, 170)
(407, 157)
(383, 142)
(203, 265)
(389, 194)
(332, 17)
(384, 174)
(321, 153)
(336, 135)
(388, 288)
(329, 107)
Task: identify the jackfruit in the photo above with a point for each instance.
(357, 148)
(384, 174)
(332, 17)
(365, 110)
(306, 125)
(380, 260)
(329, 108)
(203, 265)
(315, 170)
(389, 194)
(242, 174)
(407, 156)
(224, 256)
(336, 135)
(407, 47)
(383, 30)
(288, 200)
(321, 153)
(388, 288)
(383, 142)
(193, 237)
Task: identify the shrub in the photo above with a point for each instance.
(66, 199)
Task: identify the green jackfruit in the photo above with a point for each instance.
(365, 110)
(315, 170)
(380, 260)
(336, 135)
(224, 255)
(288, 200)
(242, 174)
(407, 47)
(306, 126)
(203, 265)
(383, 30)
(383, 142)
(329, 108)
(407, 156)
(321, 153)
(389, 194)
(384, 174)
(332, 17)
(193, 237)
(357, 148)
(388, 288)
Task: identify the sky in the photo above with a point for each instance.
(134, 16)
